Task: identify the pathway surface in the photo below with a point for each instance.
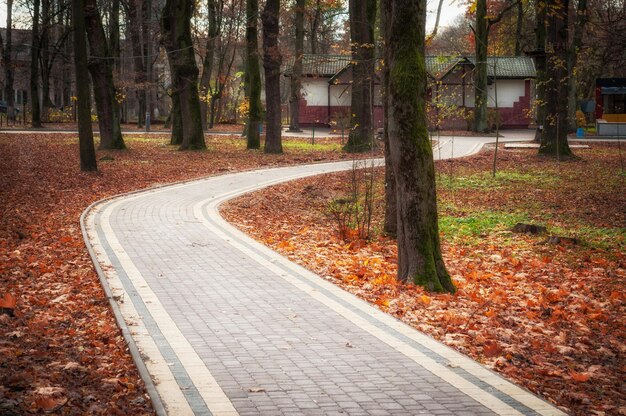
(221, 325)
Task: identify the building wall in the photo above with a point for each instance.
(514, 99)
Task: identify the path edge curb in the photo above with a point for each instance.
(155, 398)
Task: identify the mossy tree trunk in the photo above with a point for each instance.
(101, 69)
(419, 252)
(253, 73)
(85, 134)
(390, 226)
(176, 32)
(362, 22)
(271, 63)
(295, 81)
(554, 137)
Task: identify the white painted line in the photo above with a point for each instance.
(165, 383)
(170, 392)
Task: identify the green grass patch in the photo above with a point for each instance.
(474, 224)
(602, 238)
(503, 179)
(302, 146)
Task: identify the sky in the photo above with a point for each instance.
(450, 11)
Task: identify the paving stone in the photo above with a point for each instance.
(253, 329)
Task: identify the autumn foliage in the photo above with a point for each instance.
(549, 317)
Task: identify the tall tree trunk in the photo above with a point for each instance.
(390, 226)
(519, 24)
(255, 113)
(540, 67)
(115, 50)
(295, 81)
(207, 63)
(480, 71)
(85, 134)
(34, 68)
(101, 70)
(572, 60)
(419, 253)
(146, 23)
(554, 138)
(362, 21)
(134, 23)
(315, 23)
(114, 36)
(176, 32)
(44, 44)
(271, 63)
(7, 50)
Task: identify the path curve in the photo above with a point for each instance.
(221, 325)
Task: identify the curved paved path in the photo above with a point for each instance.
(225, 326)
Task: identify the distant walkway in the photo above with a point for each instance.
(221, 325)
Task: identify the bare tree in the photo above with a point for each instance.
(554, 137)
(85, 133)
(253, 76)
(215, 9)
(362, 21)
(34, 67)
(271, 63)
(481, 34)
(295, 79)
(6, 49)
(101, 68)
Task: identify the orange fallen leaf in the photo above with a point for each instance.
(425, 299)
(492, 349)
(579, 377)
(8, 301)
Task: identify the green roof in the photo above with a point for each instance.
(437, 66)
(319, 65)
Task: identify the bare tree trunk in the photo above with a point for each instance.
(101, 70)
(207, 63)
(315, 23)
(390, 226)
(572, 60)
(362, 21)
(34, 68)
(255, 114)
(480, 71)
(271, 63)
(540, 66)
(554, 138)
(45, 59)
(134, 25)
(85, 134)
(419, 253)
(519, 24)
(176, 32)
(295, 81)
(5, 54)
